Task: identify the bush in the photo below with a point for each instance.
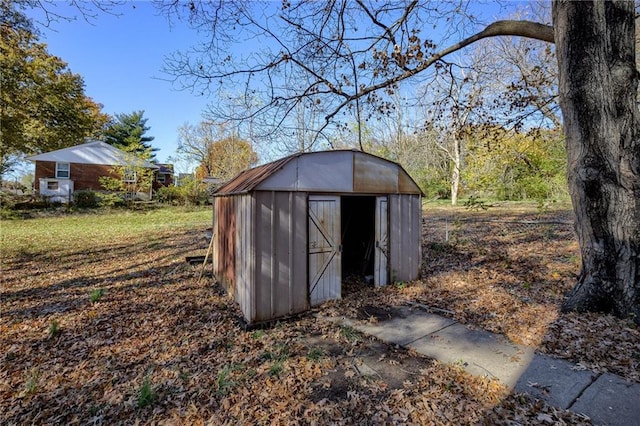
(169, 195)
(111, 200)
(192, 192)
(86, 199)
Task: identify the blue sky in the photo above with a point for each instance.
(121, 60)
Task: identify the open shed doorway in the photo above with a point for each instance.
(358, 221)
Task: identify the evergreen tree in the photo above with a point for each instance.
(127, 132)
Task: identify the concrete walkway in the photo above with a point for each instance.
(607, 399)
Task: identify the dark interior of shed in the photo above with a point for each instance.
(358, 215)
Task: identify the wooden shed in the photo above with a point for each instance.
(287, 233)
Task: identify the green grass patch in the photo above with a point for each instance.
(96, 295)
(257, 334)
(350, 333)
(62, 234)
(225, 383)
(276, 368)
(146, 394)
(32, 382)
(315, 354)
(54, 328)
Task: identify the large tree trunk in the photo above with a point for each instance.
(598, 88)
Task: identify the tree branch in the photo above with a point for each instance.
(526, 29)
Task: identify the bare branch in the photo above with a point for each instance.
(499, 28)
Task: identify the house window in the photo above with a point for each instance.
(162, 178)
(62, 170)
(52, 185)
(130, 176)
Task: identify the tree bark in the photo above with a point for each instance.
(598, 81)
(455, 173)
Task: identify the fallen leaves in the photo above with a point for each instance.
(154, 330)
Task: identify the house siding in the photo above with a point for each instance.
(168, 180)
(84, 176)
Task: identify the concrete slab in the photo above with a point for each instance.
(610, 401)
(479, 352)
(403, 331)
(607, 399)
(554, 380)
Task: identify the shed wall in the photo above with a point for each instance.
(405, 236)
(281, 254)
(233, 248)
(245, 254)
(224, 225)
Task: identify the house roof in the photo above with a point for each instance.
(166, 169)
(93, 152)
(341, 171)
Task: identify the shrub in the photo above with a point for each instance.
(473, 203)
(86, 199)
(191, 192)
(112, 200)
(169, 195)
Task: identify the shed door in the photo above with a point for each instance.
(381, 261)
(324, 249)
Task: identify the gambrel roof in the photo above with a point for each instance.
(93, 152)
(340, 171)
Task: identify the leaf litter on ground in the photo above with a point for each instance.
(159, 346)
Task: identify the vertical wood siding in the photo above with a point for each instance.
(244, 256)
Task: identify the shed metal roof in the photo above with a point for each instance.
(249, 179)
(342, 171)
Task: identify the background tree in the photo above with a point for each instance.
(127, 132)
(525, 75)
(452, 103)
(390, 42)
(194, 144)
(42, 103)
(126, 184)
(228, 157)
(510, 165)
